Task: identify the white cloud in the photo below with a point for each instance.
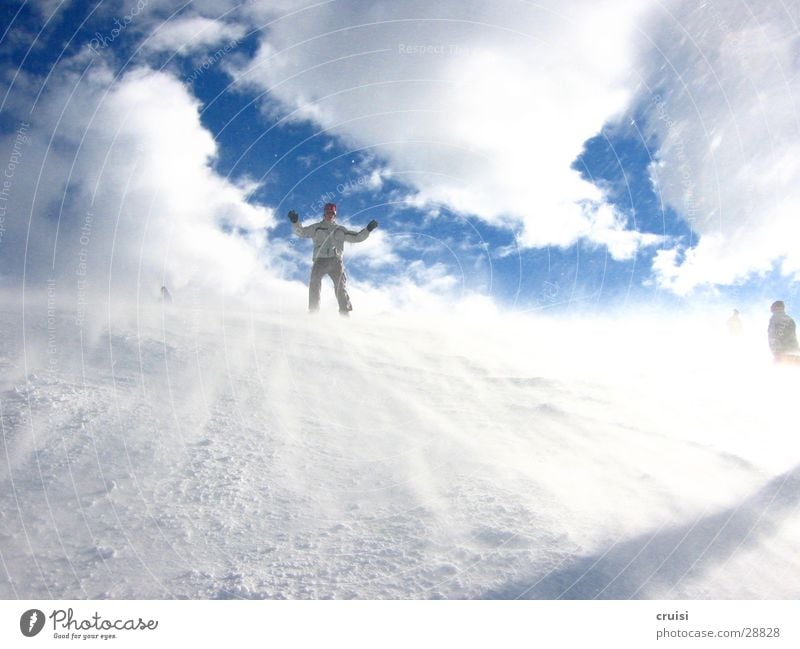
(377, 251)
(483, 111)
(608, 228)
(483, 108)
(125, 192)
(47, 8)
(721, 92)
(125, 198)
(171, 183)
(190, 34)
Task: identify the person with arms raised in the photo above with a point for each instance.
(328, 258)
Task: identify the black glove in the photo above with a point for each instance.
(372, 225)
(293, 216)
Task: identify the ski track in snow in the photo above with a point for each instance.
(181, 454)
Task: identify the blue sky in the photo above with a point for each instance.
(539, 156)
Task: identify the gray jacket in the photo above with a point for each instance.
(329, 238)
(782, 334)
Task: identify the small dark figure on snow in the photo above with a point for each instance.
(165, 296)
(782, 335)
(329, 239)
(735, 324)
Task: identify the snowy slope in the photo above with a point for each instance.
(187, 452)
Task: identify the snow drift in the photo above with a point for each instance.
(189, 452)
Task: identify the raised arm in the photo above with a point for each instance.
(305, 232)
(355, 237)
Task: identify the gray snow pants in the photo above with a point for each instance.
(333, 267)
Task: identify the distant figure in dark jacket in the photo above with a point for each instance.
(782, 335)
(329, 239)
